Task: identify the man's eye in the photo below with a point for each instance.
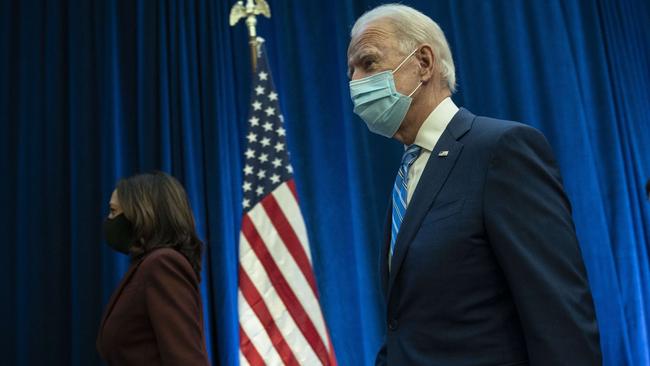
(368, 64)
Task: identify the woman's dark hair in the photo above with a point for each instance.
(158, 208)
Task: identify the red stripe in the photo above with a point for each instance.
(256, 303)
(283, 289)
(292, 186)
(248, 349)
(331, 354)
(290, 239)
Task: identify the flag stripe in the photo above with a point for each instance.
(292, 186)
(257, 334)
(332, 355)
(289, 268)
(248, 349)
(243, 361)
(289, 299)
(290, 240)
(258, 306)
(258, 276)
(286, 195)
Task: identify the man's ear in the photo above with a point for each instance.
(426, 61)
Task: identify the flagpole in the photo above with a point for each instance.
(250, 12)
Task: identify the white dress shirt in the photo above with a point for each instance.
(427, 137)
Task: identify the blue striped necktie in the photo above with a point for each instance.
(400, 194)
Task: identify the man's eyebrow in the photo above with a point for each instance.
(361, 54)
(365, 52)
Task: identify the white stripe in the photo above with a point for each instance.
(256, 333)
(285, 323)
(399, 214)
(291, 210)
(401, 199)
(242, 359)
(289, 269)
(395, 186)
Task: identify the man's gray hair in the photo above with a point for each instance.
(412, 28)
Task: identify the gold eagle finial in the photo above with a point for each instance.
(250, 11)
(252, 8)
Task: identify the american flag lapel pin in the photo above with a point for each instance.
(443, 153)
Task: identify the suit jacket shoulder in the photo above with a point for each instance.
(487, 132)
(167, 262)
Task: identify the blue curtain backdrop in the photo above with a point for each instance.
(91, 91)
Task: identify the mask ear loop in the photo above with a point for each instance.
(403, 61)
(416, 89)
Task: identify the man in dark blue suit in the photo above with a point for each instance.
(480, 263)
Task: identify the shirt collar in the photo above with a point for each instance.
(435, 124)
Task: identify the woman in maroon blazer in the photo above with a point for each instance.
(154, 317)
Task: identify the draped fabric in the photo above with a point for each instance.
(94, 91)
(280, 317)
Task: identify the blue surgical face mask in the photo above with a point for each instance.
(378, 103)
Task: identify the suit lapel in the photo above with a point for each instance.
(118, 291)
(433, 178)
(383, 262)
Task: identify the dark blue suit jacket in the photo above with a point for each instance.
(487, 269)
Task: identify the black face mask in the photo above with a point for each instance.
(119, 233)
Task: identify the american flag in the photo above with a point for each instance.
(280, 319)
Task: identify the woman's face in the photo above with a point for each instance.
(114, 206)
